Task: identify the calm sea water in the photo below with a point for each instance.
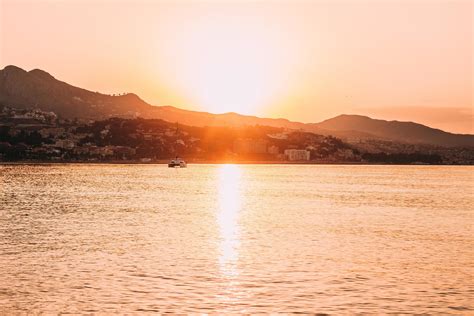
(226, 238)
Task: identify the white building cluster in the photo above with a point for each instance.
(297, 154)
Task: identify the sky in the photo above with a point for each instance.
(302, 60)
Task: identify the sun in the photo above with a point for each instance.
(227, 64)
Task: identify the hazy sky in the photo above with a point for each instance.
(305, 61)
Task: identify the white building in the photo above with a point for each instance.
(296, 154)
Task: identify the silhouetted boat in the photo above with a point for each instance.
(177, 162)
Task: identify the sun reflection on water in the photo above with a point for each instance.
(227, 218)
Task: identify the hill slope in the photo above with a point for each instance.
(407, 132)
(37, 88)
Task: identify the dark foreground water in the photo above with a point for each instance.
(225, 238)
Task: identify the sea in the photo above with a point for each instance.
(316, 239)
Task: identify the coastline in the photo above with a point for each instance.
(213, 162)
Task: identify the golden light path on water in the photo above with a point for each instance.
(229, 207)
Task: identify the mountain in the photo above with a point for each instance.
(39, 89)
(406, 132)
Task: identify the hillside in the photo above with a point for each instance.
(407, 132)
(39, 89)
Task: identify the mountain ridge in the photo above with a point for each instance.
(37, 88)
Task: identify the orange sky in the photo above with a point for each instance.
(306, 61)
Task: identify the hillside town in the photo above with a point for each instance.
(39, 136)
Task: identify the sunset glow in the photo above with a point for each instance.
(236, 157)
(302, 60)
(225, 66)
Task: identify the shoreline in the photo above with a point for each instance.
(210, 162)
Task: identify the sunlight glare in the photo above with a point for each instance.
(224, 64)
(228, 213)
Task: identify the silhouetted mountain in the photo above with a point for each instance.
(38, 89)
(407, 132)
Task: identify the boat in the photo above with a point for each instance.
(177, 163)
